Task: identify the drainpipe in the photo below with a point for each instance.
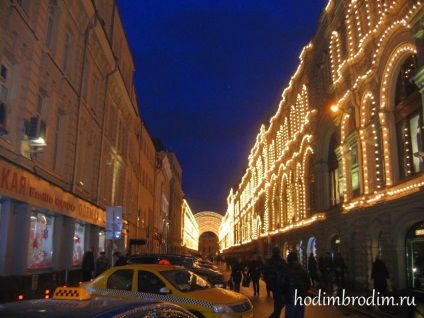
(77, 137)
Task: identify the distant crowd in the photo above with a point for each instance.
(287, 280)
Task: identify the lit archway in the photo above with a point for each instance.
(208, 221)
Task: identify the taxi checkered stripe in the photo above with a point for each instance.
(151, 296)
(68, 292)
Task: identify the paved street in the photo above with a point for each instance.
(263, 305)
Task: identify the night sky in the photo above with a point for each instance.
(208, 74)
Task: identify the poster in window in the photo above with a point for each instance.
(414, 127)
(40, 243)
(78, 250)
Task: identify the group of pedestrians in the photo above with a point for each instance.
(326, 271)
(288, 279)
(285, 280)
(92, 267)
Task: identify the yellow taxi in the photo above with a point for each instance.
(71, 302)
(173, 284)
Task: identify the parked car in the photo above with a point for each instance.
(207, 264)
(174, 284)
(71, 302)
(215, 278)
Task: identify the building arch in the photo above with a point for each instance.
(208, 221)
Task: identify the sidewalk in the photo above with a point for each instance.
(382, 311)
(376, 312)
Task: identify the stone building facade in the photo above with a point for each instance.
(72, 143)
(339, 168)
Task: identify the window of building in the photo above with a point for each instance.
(335, 246)
(408, 117)
(38, 125)
(334, 172)
(94, 93)
(78, 250)
(67, 51)
(50, 22)
(40, 243)
(4, 81)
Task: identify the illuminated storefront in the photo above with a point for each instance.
(415, 256)
(45, 226)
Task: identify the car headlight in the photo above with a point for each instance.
(221, 308)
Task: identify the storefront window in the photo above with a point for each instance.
(40, 245)
(78, 244)
(415, 256)
(335, 246)
(102, 241)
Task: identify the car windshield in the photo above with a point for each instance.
(185, 280)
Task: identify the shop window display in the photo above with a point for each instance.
(40, 245)
(78, 250)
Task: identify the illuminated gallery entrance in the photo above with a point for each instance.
(415, 256)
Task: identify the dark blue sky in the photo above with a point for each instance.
(208, 74)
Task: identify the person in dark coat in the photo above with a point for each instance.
(340, 268)
(379, 274)
(296, 285)
(254, 271)
(119, 259)
(237, 273)
(313, 268)
(327, 270)
(87, 265)
(274, 271)
(102, 263)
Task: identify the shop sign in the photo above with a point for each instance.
(24, 186)
(419, 232)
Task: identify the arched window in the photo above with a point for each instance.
(408, 117)
(335, 246)
(333, 171)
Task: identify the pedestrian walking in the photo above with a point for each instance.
(87, 265)
(379, 275)
(296, 285)
(237, 273)
(339, 270)
(313, 269)
(254, 272)
(102, 263)
(274, 271)
(327, 270)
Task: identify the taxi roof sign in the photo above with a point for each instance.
(71, 293)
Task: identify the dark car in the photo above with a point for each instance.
(77, 302)
(215, 278)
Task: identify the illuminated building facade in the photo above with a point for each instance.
(175, 245)
(71, 141)
(189, 230)
(349, 181)
(146, 191)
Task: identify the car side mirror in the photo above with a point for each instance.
(165, 290)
